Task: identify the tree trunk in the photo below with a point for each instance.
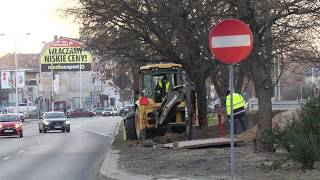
(202, 101)
(135, 73)
(219, 78)
(265, 120)
(263, 87)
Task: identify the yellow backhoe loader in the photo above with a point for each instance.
(155, 112)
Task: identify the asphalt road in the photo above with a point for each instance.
(77, 155)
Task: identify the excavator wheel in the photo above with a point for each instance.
(129, 124)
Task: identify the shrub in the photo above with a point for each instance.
(301, 136)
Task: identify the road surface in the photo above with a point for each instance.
(77, 155)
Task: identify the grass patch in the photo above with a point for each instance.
(212, 119)
(120, 135)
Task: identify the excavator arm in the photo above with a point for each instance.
(177, 95)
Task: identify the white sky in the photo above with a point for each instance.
(38, 17)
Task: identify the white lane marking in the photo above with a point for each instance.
(21, 151)
(7, 158)
(230, 41)
(95, 132)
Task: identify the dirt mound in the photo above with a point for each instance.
(278, 121)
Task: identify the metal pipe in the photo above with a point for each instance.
(232, 158)
(16, 67)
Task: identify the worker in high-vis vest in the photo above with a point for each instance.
(238, 111)
(162, 89)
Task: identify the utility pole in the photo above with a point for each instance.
(80, 85)
(52, 89)
(122, 89)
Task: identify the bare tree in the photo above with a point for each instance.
(279, 28)
(142, 31)
(155, 30)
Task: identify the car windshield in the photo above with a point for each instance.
(108, 109)
(8, 118)
(54, 115)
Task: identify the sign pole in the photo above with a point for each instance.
(52, 89)
(232, 156)
(80, 86)
(122, 89)
(231, 41)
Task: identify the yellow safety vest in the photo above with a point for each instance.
(167, 85)
(238, 102)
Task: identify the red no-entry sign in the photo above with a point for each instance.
(230, 41)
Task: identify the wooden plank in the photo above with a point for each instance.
(200, 143)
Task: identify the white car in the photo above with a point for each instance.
(110, 111)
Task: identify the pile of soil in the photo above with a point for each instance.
(279, 120)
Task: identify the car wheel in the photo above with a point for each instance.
(68, 130)
(62, 130)
(21, 135)
(40, 131)
(44, 131)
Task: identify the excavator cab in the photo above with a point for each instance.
(162, 105)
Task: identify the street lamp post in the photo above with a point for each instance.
(52, 88)
(16, 66)
(80, 85)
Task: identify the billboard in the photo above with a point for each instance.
(65, 55)
(6, 80)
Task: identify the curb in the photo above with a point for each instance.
(31, 119)
(110, 166)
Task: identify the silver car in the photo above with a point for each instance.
(54, 121)
(110, 111)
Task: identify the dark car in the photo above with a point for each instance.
(3, 111)
(78, 112)
(54, 121)
(98, 110)
(22, 116)
(10, 125)
(124, 111)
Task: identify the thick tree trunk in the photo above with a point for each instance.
(202, 101)
(263, 87)
(198, 73)
(265, 120)
(135, 73)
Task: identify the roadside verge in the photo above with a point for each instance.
(110, 168)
